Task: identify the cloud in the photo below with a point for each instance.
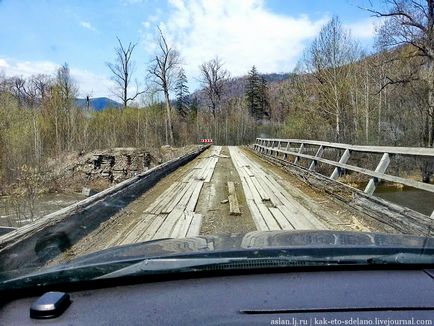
(242, 33)
(88, 82)
(87, 25)
(364, 29)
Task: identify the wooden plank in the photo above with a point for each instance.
(257, 216)
(280, 197)
(184, 225)
(294, 218)
(248, 170)
(280, 218)
(136, 233)
(270, 189)
(168, 225)
(149, 233)
(261, 191)
(195, 225)
(176, 199)
(381, 167)
(211, 169)
(343, 160)
(253, 190)
(162, 200)
(194, 197)
(268, 217)
(234, 208)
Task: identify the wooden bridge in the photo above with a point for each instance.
(274, 184)
(284, 148)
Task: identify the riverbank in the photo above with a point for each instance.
(65, 178)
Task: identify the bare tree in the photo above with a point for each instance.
(213, 81)
(163, 70)
(122, 70)
(330, 59)
(411, 23)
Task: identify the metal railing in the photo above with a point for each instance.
(296, 149)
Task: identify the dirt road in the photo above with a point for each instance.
(225, 190)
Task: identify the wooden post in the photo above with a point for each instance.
(314, 163)
(299, 152)
(278, 148)
(381, 168)
(344, 159)
(287, 148)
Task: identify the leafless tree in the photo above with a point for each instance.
(213, 78)
(330, 59)
(410, 23)
(122, 70)
(163, 71)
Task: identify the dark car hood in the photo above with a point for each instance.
(280, 240)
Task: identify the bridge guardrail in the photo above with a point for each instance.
(276, 147)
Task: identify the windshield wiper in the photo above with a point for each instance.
(160, 265)
(403, 258)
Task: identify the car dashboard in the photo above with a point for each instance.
(354, 297)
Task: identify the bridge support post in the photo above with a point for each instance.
(314, 163)
(344, 159)
(381, 168)
(300, 150)
(285, 156)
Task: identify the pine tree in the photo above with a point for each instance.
(256, 94)
(265, 102)
(182, 94)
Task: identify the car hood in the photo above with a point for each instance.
(258, 240)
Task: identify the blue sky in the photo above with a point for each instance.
(39, 35)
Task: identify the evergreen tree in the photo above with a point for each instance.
(256, 94)
(182, 94)
(265, 102)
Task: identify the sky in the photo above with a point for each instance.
(37, 36)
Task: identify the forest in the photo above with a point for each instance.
(337, 92)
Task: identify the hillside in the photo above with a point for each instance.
(98, 103)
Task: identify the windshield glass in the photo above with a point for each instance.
(279, 132)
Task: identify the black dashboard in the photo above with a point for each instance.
(363, 297)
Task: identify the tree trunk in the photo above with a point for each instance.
(169, 118)
(431, 107)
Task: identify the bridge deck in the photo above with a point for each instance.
(272, 207)
(196, 199)
(172, 214)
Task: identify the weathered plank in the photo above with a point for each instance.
(234, 208)
(166, 228)
(281, 219)
(282, 210)
(195, 225)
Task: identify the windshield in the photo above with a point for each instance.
(264, 131)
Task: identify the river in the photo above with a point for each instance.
(418, 200)
(44, 204)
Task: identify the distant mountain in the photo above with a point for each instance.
(235, 87)
(98, 103)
